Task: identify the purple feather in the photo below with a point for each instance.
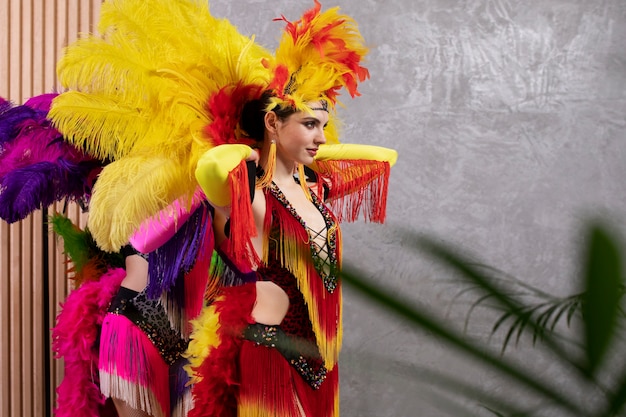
(23, 191)
(10, 120)
(36, 142)
(37, 167)
(177, 256)
(4, 105)
(41, 102)
(38, 185)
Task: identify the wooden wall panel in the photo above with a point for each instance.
(32, 267)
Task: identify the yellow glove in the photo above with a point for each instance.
(213, 169)
(348, 151)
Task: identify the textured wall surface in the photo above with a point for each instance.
(510, 120)
(33, 269)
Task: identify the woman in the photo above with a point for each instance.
(168, 91)
(284, 328)
(137, 347)
(145, 330)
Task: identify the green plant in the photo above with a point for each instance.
(598, 306)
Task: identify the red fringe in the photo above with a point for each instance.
(242, 226)
(215, 394)
(73, 339)
(357, 186)
(271, 387)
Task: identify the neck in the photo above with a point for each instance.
(283, 172)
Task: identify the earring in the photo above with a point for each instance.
(268, 169)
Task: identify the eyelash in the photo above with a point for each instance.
(311, 125)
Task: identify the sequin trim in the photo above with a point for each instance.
(275, 337)
(329, 278)
(152, 320)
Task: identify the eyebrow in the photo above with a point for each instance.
(313, 118)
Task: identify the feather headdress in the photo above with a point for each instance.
(317, 56)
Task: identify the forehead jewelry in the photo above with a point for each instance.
(323, 106)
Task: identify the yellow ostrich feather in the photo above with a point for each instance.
(130, 190)
(137, 93)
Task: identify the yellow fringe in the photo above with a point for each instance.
(294, 255)
(249, 409)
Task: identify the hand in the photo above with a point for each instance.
(254, 156)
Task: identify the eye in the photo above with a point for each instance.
(310, 124)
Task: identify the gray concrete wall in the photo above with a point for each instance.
(510, 121)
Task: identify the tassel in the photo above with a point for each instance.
(294, 253)
(267, 384)
(140, 379)
(270, 165)
(270, 387)
(177, 256)
(180, 390)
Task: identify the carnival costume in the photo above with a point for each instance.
(157, 100)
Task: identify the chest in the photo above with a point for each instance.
(304, 208)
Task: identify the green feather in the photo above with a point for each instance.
(76, 242)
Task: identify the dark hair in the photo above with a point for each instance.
(253, 115)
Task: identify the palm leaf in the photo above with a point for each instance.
(603, 280)
(419, 317)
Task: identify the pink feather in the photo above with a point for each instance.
(74, 339)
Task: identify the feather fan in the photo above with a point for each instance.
(138, 93)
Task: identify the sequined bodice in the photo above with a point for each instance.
(324, 258)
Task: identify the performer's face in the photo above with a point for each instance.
(299, 136)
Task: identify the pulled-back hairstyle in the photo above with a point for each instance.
(253, 115)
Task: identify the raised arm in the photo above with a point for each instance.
(222, 174)
(357, 178)
(214, 169)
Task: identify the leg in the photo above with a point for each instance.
(125, 410)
